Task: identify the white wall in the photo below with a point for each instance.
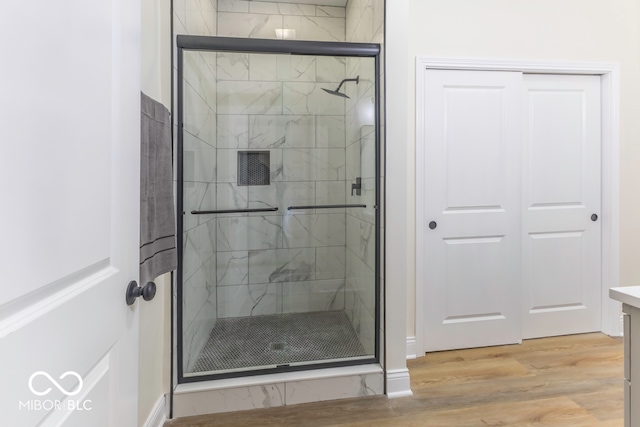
(155, 315)
(399, 253)
(568, 30)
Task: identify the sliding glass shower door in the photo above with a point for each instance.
(277, 180)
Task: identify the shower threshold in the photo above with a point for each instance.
(278, 340)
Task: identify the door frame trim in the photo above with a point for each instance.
(610, 98)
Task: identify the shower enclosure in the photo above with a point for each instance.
(278, 166)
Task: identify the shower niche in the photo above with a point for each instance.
(278, 173)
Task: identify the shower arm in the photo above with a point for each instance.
(357, 80)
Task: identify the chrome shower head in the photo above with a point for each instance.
(337, 91)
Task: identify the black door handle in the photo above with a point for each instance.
(134, 291)
(433, 225)
(594, 217)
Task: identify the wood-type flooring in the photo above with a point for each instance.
(560, 381)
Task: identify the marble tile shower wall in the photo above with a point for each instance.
(198, 17)
(289, 261)
(238, 18)
(364, 23)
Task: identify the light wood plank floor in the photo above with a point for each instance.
(560, 381)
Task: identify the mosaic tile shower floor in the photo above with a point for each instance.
(279, 339)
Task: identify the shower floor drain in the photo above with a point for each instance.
(279, 339)
(277, 346)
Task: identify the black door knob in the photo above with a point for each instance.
(433, 225)
(594, 217)
(134, 291)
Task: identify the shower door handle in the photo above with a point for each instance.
(134, 291)
(231, 211)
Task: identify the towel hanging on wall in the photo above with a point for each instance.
(157, 217)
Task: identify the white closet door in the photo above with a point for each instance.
(472, 164)
(561, 195)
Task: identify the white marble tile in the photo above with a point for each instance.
(227, 169)
(331, 11)
(316, 28)
(199, 245)
(267, 131)
(330, 262)
(321, 389)
(228, 400)
(197, 196)
(263, 196)
(282, 8)
(318, 164)
(261, 264)
(353, 161)
(195, 20)
(296, 9)
(361, 240)
(191, 69)
(232, 66)
(363, 25)
(378, 20)
(263, 67)
(180, 15)
(364, 109)
(368, 156)
(367, 332)
(330, 69)
(249, 233)
(232, 131)
(200, 315)
(277, 168)
(239, 97)
(330, 193)
(295, 194)
(330, 132)
(281, 265)
(194, 295)
(247, 300)
(300, 131)
(232, 196)
(232, 268)
(249, 25)
(241, 6)
(199, 117)
(313, 230)
(210, 62)
(361, 279)
(300, 68)
(179, 27)
(209, 12)
(266, 8)
(199, 160)
(310, 99)
(322, 295)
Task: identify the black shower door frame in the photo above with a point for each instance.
(267, 46)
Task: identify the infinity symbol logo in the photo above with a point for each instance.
(55, 383)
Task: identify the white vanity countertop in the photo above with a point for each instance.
(629, 295)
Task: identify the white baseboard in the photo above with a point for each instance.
(398, 383)
(158, 416)
(412, 352)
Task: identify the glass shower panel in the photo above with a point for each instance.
(279, 183)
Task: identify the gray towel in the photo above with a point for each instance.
(157, 217)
